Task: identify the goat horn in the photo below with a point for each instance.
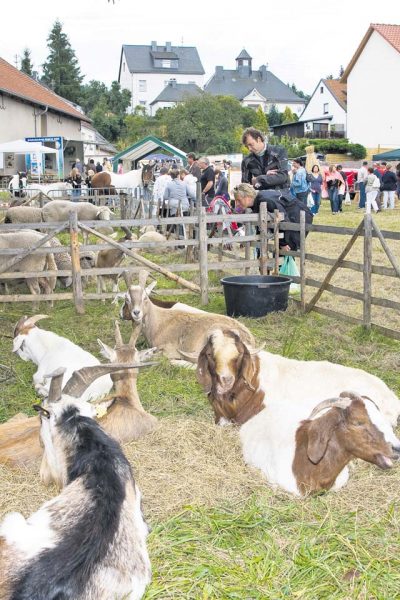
(81, 379)
(257, 350)
(331, 403)
(118, 337)
(355, 396)
(55, 389)
(127, 231)
(190, 356)
(143, 275)
(127, 278)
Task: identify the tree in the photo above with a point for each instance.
(288, 115)
(107, 107)
(61, 70)
(299, 93)
(26, 63)
(274, 116)
(341, 71)
(329, 76)
(261, 121)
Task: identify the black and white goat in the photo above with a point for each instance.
(88, 543)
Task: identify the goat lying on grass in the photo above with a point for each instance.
(240, 381)
(172, 330)
(308, 456)
(88, 543)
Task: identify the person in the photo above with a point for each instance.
(333, 181)
(398, 179)
(207, 180)
(315, 181)
(372, 186)
(76, 181)
(107, 165)
(378, 172)
(193, 167)
(160, 184)
(175, 195)
(78, 165)
(221, 184)
(388, 187)
(299, 185)
(361, 179)
(247, 197)
(120, 168)
(191, 184)
(342, 188)
(266, 167)
(91, 166)
(99, 168)
(88, 182)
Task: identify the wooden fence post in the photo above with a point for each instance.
(276, 241)
(75, 263)
(367, 270)
(203, 259)
(303, 260)
(263, 225)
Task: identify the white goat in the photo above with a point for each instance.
(82, 545)
(50, 351)
(173, 331)
(307, 456)
(240, 382)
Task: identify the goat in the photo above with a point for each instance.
(173, 331)
(308, 456)
(49, 351)
(33, 262)
(89, 542)
(126, 420)
(238, 380)
(112, 257)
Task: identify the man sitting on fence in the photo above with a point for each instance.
(247, 197)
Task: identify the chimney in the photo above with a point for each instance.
(263, 73)
(172, 83)
(154, 46)
(168, 46)
(219, 72)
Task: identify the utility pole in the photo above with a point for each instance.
(16, 57)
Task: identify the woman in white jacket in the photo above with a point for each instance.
(372, 188)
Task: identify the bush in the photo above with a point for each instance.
(296, 146)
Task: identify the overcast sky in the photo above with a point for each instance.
(300, 41)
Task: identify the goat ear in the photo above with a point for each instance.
(320, 432)
(150, 287)
(101, 408)
(247, 370)
(203, 372)
(106, 351)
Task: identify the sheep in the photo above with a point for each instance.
(173, 331)
(33, 262)
(126, 420)
(49, 351)
(153, 236)
(58, 210)
(308, 456)
(23, 214)
(240, 381)
(89, 542)
(63, 262)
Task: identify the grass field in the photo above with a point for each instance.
(217, 530)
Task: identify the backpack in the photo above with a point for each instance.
(220, 205)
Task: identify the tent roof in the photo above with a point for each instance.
(145, 146)
(390, 155)
(23, 147)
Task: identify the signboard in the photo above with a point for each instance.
(35, 166)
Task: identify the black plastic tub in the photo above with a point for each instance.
(255, 295)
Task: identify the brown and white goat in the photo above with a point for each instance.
(173, 331)
(308, 456)
(89, 542)
(126, 420)
(237, 379)
(112, 257)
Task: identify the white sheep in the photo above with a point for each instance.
(58, 210)
(307, 455)
(49, 351)
(82, 544)
(23, 214)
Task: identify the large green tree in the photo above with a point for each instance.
(61, 70)
(26, 63)
(107, 107)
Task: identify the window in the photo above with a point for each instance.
(142, 102)
(123, 67)
(166, 64)
(320, 127)
(321, 89)
(326, 108)
(142, 85)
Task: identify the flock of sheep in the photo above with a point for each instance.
(300, 423)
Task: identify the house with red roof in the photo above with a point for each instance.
(373, 89)
(326, 112)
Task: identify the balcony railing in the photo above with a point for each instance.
(324, 135)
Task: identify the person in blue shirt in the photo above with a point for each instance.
(299, 186)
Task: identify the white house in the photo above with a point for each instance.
(253, 88)
(373, 89)
(326, 113)
(146, 70)
(173, 94)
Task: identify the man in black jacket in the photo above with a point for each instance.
(266, 167)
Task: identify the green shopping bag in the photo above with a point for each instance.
(289, 268)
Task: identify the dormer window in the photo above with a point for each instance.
(166, 64)
(321, 89)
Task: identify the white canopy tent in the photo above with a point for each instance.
(23, 147)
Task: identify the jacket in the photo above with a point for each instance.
(389, 182)
(274, 158)
(176, 192)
